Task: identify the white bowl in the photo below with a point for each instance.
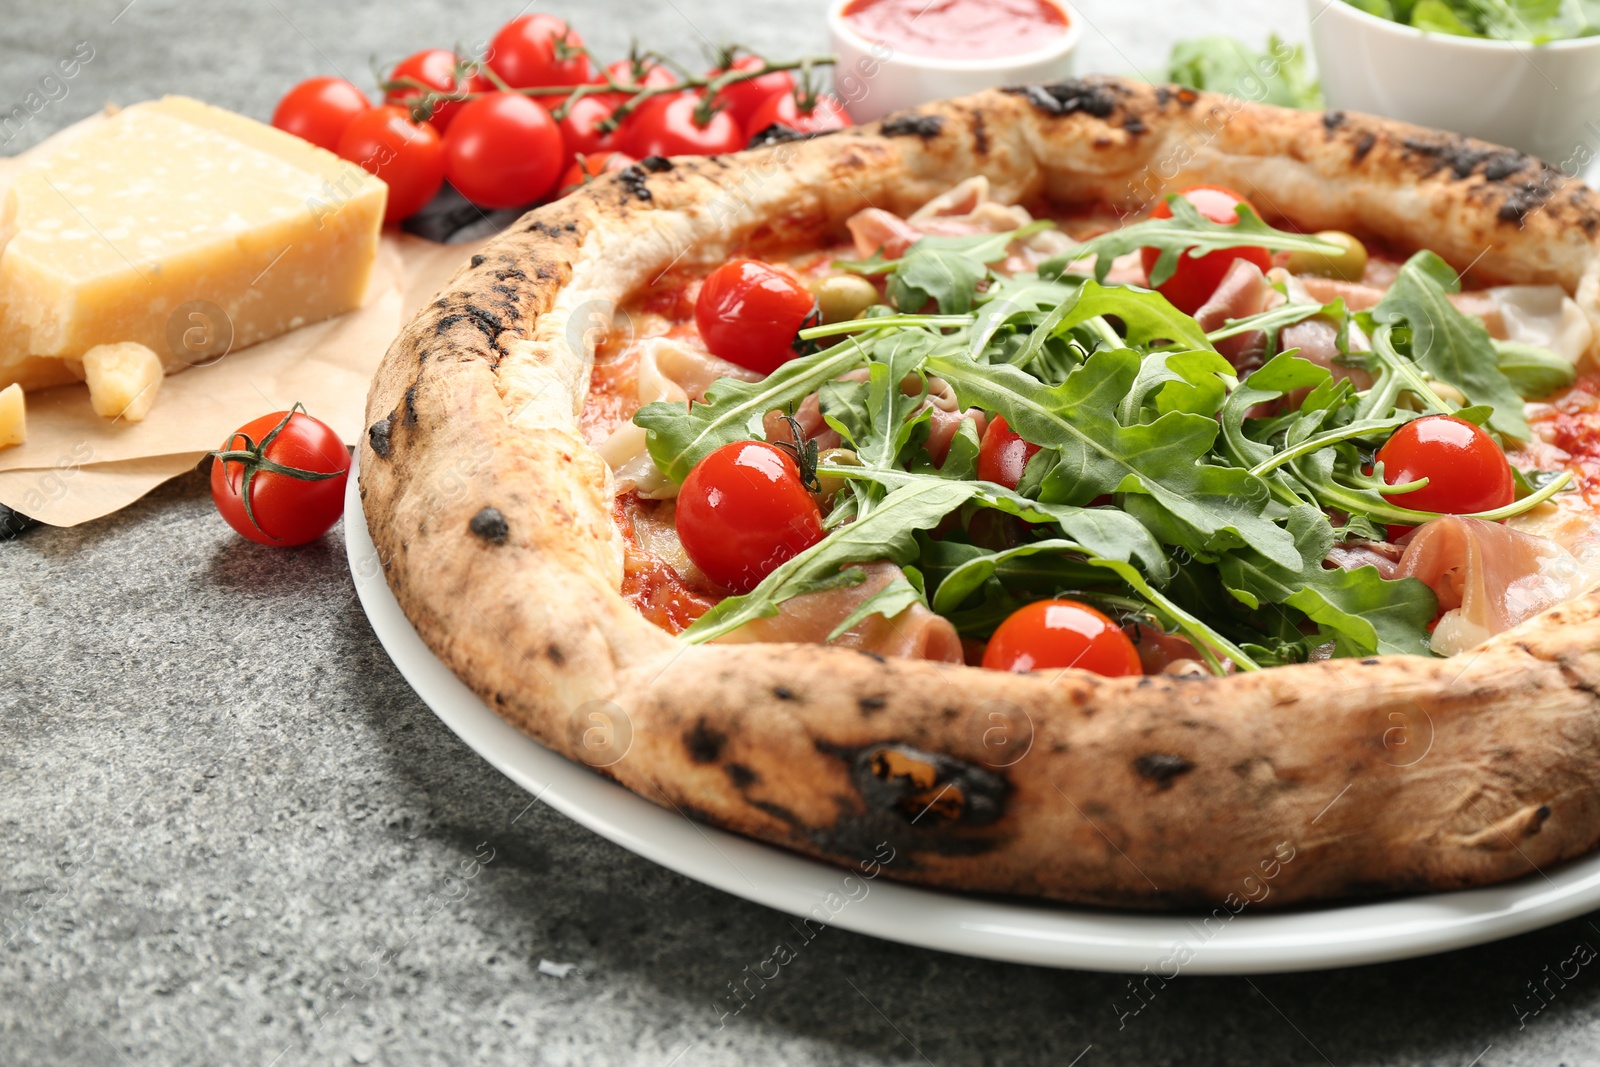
(1541, 99)
(873, 78)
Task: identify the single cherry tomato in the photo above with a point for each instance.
(742, 98)
(748, 313)
(1054, 634)
(539, 50)
(503, 151)
(1192, 284)
(319, 110)
(743, 511)
(669, 126)
(408, 156)
(434, 67)
(1003, 455)
(640, 74)
(580, 129)
(587, 168)
(1466, 471)
(279, 480)
(823, 113)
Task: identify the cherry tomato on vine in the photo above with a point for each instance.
(748, 313)
(1053, 634)
(539, 50)
(743, 511)
(503, 151)
(434, 67)
(580, 128)
(408, 156)
(590, 167)
(670, 126)
(1003, 455)
(742, 98)
(1466, 471)
(279, 479)
(824, 113)
(645, 74)
(1196, 279)
(319, 110)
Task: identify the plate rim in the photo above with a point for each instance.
(1015, 931)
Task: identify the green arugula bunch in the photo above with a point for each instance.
(1535, 21)
(1224, 64)
(1166, 490)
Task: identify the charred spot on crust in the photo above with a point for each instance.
(869, 705)
(656, 164)
(741, 776)
(1161, 768)
(490, 525)
(1072, 95)
(783, 692)
(554, 654)
(1163, 95)
(913, 125)
(1332, 120)
(1134, 125)
(477, 261)
(777, 133)
(1524, 200)
(1364, 145)
(634, 180)
(378, 436)
(980, 132)
(872, 655)
(1463, 157)
(928, 788)
(704, 742)
(411, 404)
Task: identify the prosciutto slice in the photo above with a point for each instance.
(1488, 577)
(915, 633)
(1243, 292)
(962, 210)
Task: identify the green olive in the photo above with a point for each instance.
(1348, 265)
(839, 457)
(844, 296)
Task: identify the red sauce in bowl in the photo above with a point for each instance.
(958, 29)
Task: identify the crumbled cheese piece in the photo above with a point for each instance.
(123, 380)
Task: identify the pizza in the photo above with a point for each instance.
(1093, 491)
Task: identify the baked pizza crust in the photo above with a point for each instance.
(494, 522)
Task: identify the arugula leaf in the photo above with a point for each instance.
(969, 576)
(948, 269)
(1225, 65)
(1358, 609)
(1282, 375)
(1187, 232)
(1450, 345)
(1533, 372)
(1163, 462)
(894, 359)
(885, 533)
(680, 436)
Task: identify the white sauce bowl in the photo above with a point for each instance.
(873, 79)
(1541, 99)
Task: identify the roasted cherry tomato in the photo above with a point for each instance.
(1054, 634)
(1003, 455)
(1466, 471)
(587, 168)
(743, 511)
(408, 156)
(435, 67)
(1192, 284)
(817, 114)
(280, 479)
(748, 313)
(742, 98)
(669, 126)
(539, 50)
(320, 110)
(503, 151)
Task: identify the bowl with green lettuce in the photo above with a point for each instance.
(1523, 73)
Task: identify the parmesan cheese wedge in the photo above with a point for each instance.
(130, 227)
(13, 416)
(123, 380)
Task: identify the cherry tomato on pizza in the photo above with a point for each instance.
(1195, 279)
(748, 313)
(280, 479)
(1466, 471)
(1056, 634)
(408, 157)
(319, 110)
(435, 68)
(586, 168)
(743, 97)
(1003, 455)
(503, 151)
(743, 511)
(539, 50)
(673, 125)
(813, 113)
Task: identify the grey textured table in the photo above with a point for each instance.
(229, 832)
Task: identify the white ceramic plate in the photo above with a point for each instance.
(1247, 943)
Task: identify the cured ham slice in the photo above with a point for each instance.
(1318, 342)
(1244, 291)
(1545, 316)
(915, 633)
(1353, 555)
(964, 209)
(942, 427)
(1488, 577)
